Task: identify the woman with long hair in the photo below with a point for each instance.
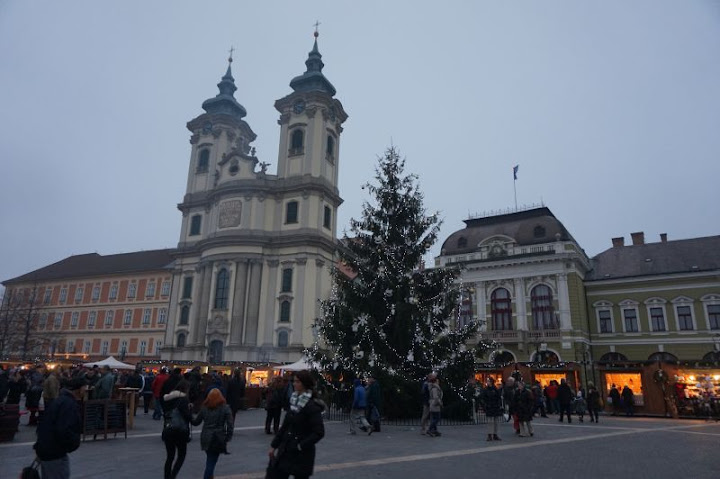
(176, 430)
(292, 450)
(217, 430)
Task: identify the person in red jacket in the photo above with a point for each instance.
(553, 403)
(157, 385)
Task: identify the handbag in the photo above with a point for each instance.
(271, 471)
(31, 471)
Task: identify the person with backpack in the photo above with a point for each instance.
(217, 429)
(176, 430)
(292, 451)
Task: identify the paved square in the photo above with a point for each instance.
(615, 448)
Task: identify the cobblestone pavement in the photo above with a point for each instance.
(616, 447)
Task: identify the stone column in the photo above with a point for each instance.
(239, 303)
(481, 299)
(204, 294)
(297, 319)
(271, 305)
(196, 294)
(520, 304)
(253, 300)
(564, 302)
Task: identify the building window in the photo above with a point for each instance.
(105, 348)
(327, 217)
(657, 319)
(462, 242)
(162, 316)
(283, 339)
(187, 287)
(58, 321)
(74, 319)
(143, 347)
(605, 319)
(195, 224)
(146, 316)
(79, 293)
(109, 315)
(96, 293)
(539, 232)
(222, 287)
(123, 349)
(91, 319)
(165, 291)
(48, 295)
(158, 346)
(291, 212)
(713, 313)
(150, 291)
(285, 312)
(70, 346)
(286, 285)
(181, 340)
(203, 161)
(296, 142)
(127, 321)
(630, 319)
(63, 295)
(543, 313)
(501, 310)
(86, 347)
(684, 317)
(113, 291)
(43, 321)
(330, 147)
(184, 315)
(132, 290)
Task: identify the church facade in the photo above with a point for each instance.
(256, 248)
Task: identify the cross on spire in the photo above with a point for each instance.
(232, 49)
(316, 25)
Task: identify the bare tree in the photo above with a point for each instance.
(19, 318)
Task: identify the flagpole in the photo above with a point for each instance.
(515, 191)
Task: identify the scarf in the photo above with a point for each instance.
(298, 401)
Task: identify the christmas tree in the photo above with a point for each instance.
(387, 316)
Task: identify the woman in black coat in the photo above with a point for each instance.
(176, 439)
(292, 450)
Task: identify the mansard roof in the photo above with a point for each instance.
(529, 227)
(94, 264)
(651, 259)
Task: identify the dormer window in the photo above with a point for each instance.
(297, 142)
(203, 161)
(539, 232)
(462, 242)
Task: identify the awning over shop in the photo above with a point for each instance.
(111, 362)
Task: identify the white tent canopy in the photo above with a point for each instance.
(112, 363)
(299, 365)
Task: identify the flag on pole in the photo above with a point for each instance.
(515, 170)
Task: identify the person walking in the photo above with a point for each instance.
(104, 386)
(217, 430)
(565, 397)
(274, 404)
(51, 389)
(492, 404)
(147, 392)
(580, 403)
(357, 409)
(374, 403)
(615, 399)
(176, 431)
(537, 392)
(524, 404)
(292, 451)
(17, 386)
(628, 399)
(157, 386)
(593, 402)
(436, 403)
(59, 432)
(425, 391)
(236, 392)
(553, 403)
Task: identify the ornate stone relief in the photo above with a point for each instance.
(229, 214)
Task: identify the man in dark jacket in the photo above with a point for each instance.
(565, 397)
(374, 403)
(236, 393)
(59, 431)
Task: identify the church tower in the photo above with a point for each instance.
(256, 248)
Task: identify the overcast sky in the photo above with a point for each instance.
(610, 108)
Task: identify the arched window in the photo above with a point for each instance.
(203, 161)
(613, 357)
(501, 309)
(297, 140)
(330, 147)
(215, 351)
(712, 356)
(184, 315)
(222, 287)
(181, 340)
(545, 357)
(285, 312)
(283, 339)
(504, 357)
(543, 312)
(664, 357)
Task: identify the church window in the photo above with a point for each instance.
(287, 275)
(203, 161)
(285, 312)
(543, 313)
(291, 212)
(283, 339)
(501, 309)
(181, 340)
(195, 224)
(184, 315)
(330, 147)
(222, 286)
(327, 217)
(297, 141)
(187, 287)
